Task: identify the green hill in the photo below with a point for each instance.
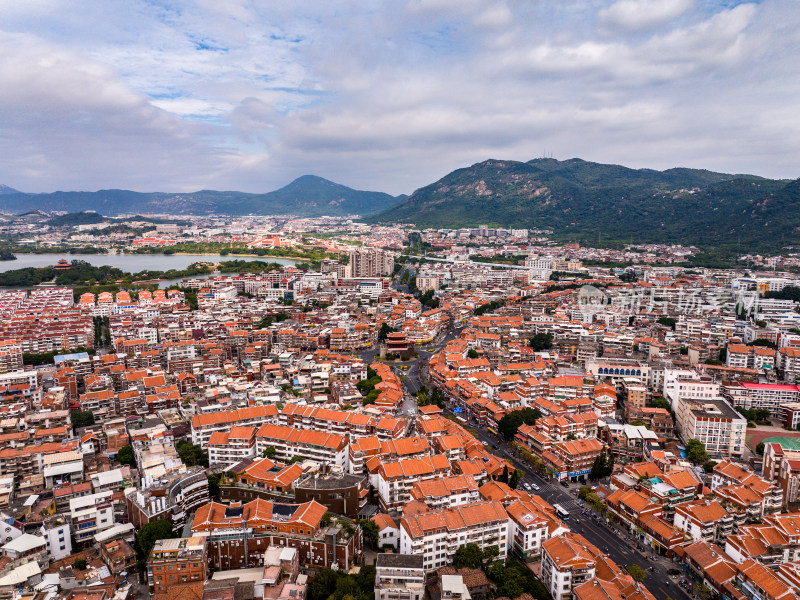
(588, 202)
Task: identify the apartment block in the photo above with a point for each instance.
(399, 577)
(176, 561)
(437, 535)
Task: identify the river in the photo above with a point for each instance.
(133, 263)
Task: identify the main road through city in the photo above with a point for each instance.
(620, 545)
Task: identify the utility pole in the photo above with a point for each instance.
(246, 553)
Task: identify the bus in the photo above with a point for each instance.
(492, 431)
(562, 514)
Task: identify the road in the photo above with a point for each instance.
(608, 538)
(620, 546)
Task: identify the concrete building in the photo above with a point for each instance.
(90, 515)
(437, 535)
(340, 493)
(568, 561)
(713, 422)
(369, 262)
(399, 577)
(176, 561)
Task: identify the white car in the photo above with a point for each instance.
(527, 487)
(534, 486)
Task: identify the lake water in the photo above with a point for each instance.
(133, 263)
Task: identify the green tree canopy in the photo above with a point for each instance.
(637, 572)
(191, 454)
(149, 533)
(603, 465)
(384, 332)
(508, 425)
(541, 341)
(125, 455)
(660, 402)
(469, 555)
(81, 418)
(696, 452)
(328, 584)
(667, 322)
(213, 484)
(370, 531)
(514, 579)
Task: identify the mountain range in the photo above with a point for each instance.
(584, 201)
(306, 196)
(593, 202)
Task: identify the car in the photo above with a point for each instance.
(674, 571)
(535, 487)
(564, 484)
(495, 446)
(526, 486)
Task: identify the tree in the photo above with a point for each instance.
(491, 553)
(603, 465)
(149, 534)
(760, 449)
(328, 584)
(513, 480)
(270, 452)
(79, 564)
(509, 424)
(696, 452)
(764, 343)
(469, 555)
(709, 465)
(514, 579)
(125, 455)
(191, 454)
(322, 584)
(512, 585)
(213, 484)
(81, 418)
(667, 322)
(660, 402)
(541, 341)
(472, 353)
(704, 592)
(370, 532)
(637, 572)
(384, 332)
(504, 476)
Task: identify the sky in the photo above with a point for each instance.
(389, 96)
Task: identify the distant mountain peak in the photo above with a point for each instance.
(307, 196)
(4, 189)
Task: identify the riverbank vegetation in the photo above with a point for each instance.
(95, 279)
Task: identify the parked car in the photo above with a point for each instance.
(565, 484)
(674, 571)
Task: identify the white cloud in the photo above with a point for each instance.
(642, 14)
(247, 95)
